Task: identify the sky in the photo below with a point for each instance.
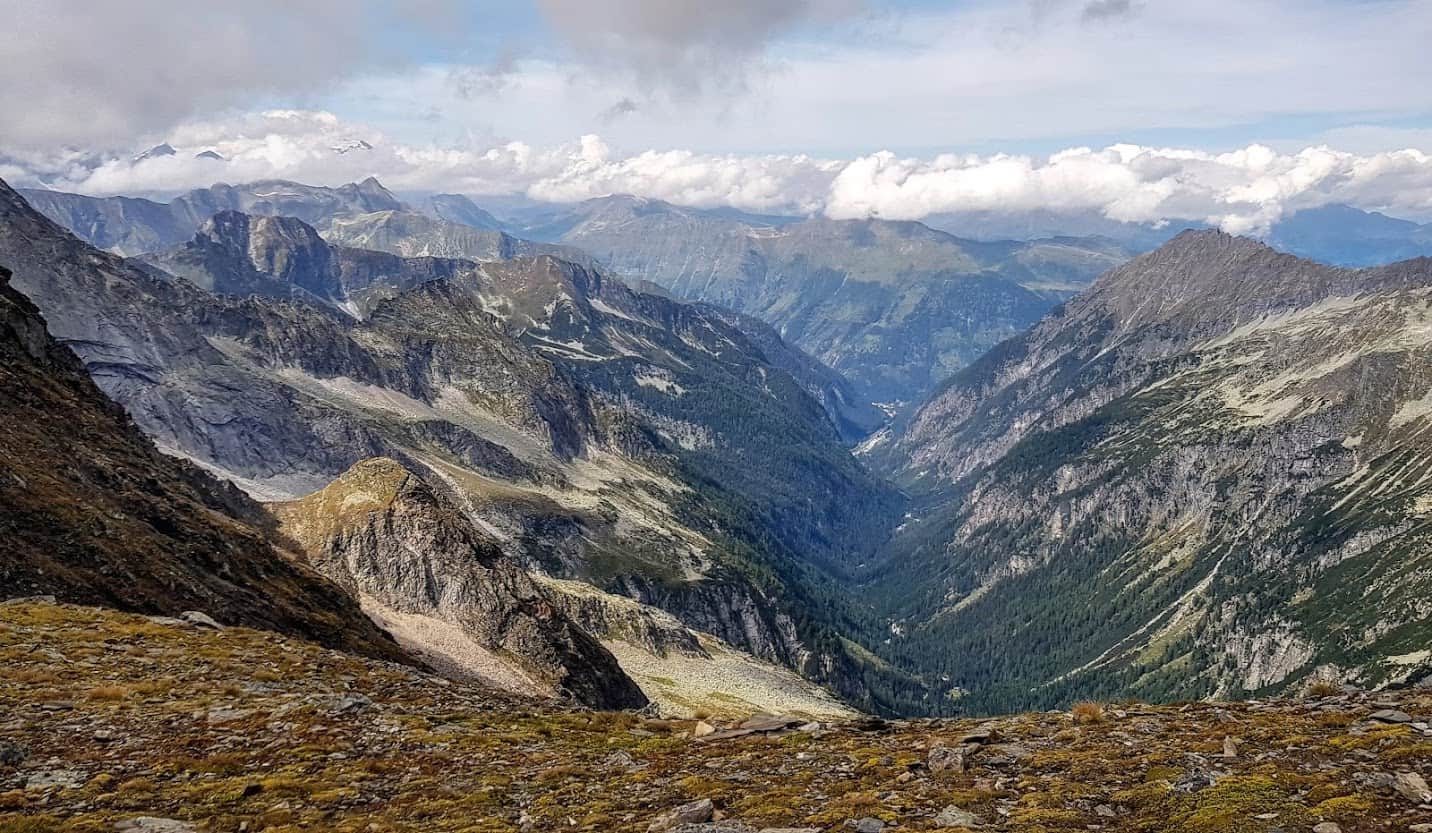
(1235, 112)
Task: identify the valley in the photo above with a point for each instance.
(1185, 447)
(661, 416)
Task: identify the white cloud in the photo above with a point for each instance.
(683, 46)
(98, 74)
(1243, 190)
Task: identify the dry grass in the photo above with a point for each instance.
(1088, 712)
(432, 757)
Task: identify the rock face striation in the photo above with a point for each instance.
(410, 554)
(1209, 475)
(91, 512)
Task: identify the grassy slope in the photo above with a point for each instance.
(152, 719)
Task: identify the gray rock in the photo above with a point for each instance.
(152, 824)
(66, 779)
(867, 825)
(620, 759)
(946, 758)
(200, 619)
(1412, 787)
(350, 704)
(953, 816)
(1192, 782)
(1390, 716)
(984, 734)
(49, 600)
(12, 753)
(771, 723)
(715, 827)
(226, 714)
(695, 812)
(1327, 827)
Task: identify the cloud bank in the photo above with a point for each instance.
(1242, 191)
(97, 73)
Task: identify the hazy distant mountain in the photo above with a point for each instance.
(896, 307)
(1337, 234)
(1346, 236)
(1211, 474)
(131, 226)
(455, 208)
(1039, 223)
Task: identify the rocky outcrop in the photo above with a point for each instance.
(389, 538)
(412, 234)
(455, 208)
(285, 258)
(91, 512)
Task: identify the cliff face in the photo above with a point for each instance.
(1208, 475)
(398, 545)
(91, 512)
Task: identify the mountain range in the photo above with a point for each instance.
(593, 432)
(1206, 476)
(895, 307)
(1195, 472)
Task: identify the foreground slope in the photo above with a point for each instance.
(245, 730)
(90, 511)
(1208, 475)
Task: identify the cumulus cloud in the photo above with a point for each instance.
(686, 46)
(1243, 191)
(97, 73)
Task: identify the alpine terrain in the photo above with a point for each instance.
(896, 307)
(1205, 477)
(589, 431)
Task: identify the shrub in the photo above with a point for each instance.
(1088, 712)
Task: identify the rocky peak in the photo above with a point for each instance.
(234, 253)
(424, 569)
(545, 278)
(283, 247)
(1206, 280)
(373, 195)
(456, 208)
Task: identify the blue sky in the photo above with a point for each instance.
(1218, 76)
(1230, 111)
